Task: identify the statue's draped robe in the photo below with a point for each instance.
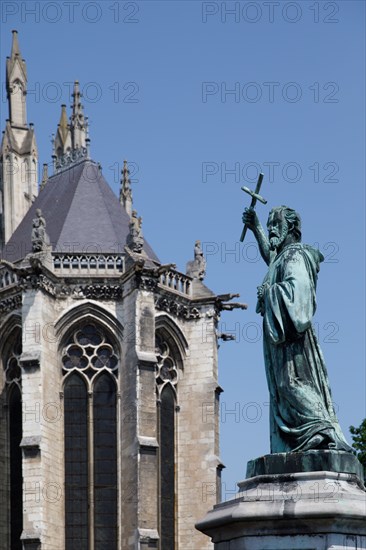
(302, 415)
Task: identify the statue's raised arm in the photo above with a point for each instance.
(250, 219)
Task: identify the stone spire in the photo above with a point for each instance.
(125, 194)
(44, 176)
(77, 122)
(16, 84)
(19, 153)
(15, 50)
(63, 142)
(72, 138)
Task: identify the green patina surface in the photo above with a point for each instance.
(302, 415)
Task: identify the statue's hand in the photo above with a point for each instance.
(260, 291)
(250, 218)
(260, 295)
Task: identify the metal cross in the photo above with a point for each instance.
(255, 196)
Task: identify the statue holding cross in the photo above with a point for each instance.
(302, 415)
(255, 196)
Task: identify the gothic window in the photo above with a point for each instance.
(166, 381)
(12, 369)
(167, 371)
(90, 367)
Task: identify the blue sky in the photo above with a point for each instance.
(157, 78)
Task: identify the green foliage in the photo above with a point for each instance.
(359, 442)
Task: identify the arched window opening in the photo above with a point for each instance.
(105, 462)
(11, 365)
(76, 462)
(169, 367)
(16, 477)
(167, 469)
(90, 366)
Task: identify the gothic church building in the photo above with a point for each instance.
(109, 431)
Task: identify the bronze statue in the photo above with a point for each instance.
(302, 415)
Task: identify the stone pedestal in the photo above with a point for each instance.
(293, 510)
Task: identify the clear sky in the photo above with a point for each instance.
(199, 96)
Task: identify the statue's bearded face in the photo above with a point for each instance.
(277, 229)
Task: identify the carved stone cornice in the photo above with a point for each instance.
(146, 280)
(96, 291)
(93, 291)
(10, 303)
(171, 288)
(108, 290)
(177, 307)
(35, 281)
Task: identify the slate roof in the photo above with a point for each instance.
(82, 215)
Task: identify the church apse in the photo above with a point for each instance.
(119, 366)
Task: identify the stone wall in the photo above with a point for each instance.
(133, 321)
(197, 428)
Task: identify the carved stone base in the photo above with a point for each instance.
(316, 510)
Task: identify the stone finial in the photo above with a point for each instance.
(77, 121)
(40, 239)
(135, 239)
(15, 50)
(125, 194)
(64, 123)
(15, 57)
(197, 268)
(44, 176)
(72, 140)
(62, 141)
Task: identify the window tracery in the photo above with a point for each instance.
(89, 350)
(167, 376)
(90, 368)
(12, 366)
(167, 370)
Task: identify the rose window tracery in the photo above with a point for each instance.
(89, 350)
